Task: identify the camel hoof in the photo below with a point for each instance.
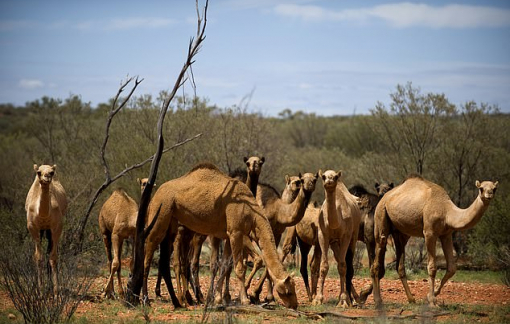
(317, 301)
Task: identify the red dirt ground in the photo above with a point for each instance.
(392, 292)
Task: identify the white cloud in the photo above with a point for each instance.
(406, 14)
(131, 23)
(30, 84)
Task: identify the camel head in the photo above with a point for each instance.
(293, 183)
(143, 183)
(45, 173)
(330, 178)
(286, 289)
(308, 181)
(383, 188)
(487, 189)
(254, 164)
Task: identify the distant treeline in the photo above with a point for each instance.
(417, 133)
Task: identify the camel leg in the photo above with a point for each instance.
(257, 261)
(289, 242)
(370, 245)
(53, 239)
(115, 268)
(351, 291)
(381, 232)
(198, 241)
(108, 291)
(303, 269)
(236, 246)
(451, 267)
(430, 242)
(225, 269)
(340, 253)
(324, 266)
(38, 257)
(315, 268)
(400, 240)
(177, 263)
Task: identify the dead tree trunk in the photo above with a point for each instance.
(135, 282)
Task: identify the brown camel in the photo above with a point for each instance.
(339, 213)
(421, 208)
(117, 222)
(367, 202)
(306, 233)
(209, 202)
(282, 215)
(192, 245)
(46, 206)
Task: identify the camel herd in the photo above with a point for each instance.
(250, 218)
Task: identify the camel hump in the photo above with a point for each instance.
(205, 165)
(413, 176)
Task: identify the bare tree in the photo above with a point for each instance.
(109, 179)
(136, 281)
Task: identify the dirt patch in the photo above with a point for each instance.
(454, 293)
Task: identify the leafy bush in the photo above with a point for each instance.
(489, 242)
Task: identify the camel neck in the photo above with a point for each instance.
(331, 210)
(463, 219)
(266, 242)
(44, 199)
(252, 181)
(293, 213)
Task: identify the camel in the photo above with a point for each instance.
(209, 202)
(46, 205)
(192, 244)
(282, 215)
(367, 203)
(339, 213)
(117, 222)
(421, 208)
(306, 233)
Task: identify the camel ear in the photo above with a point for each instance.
(54, 166)
(392, 185)
(316, 176)
(339, 173)
(36, 167)
(262, 160)
(139, 181)
(287, 179)
(245, 159)
(496, 184)
(376, 186)
(477, 184)
(320, 173)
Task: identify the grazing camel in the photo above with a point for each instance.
(339, 213)
(367, 203)
(209, 202)
(46, 205)
(282, 215)
(117, 222)
(421, 208)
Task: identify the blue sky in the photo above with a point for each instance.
(326, 57)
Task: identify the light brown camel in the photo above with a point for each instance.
(193, 244)
(367, 202)
(46, 205)
(282, 215)
(117, 222)
(421, 208)
(340, 213)
(209, 202)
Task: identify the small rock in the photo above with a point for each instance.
(11, 316)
